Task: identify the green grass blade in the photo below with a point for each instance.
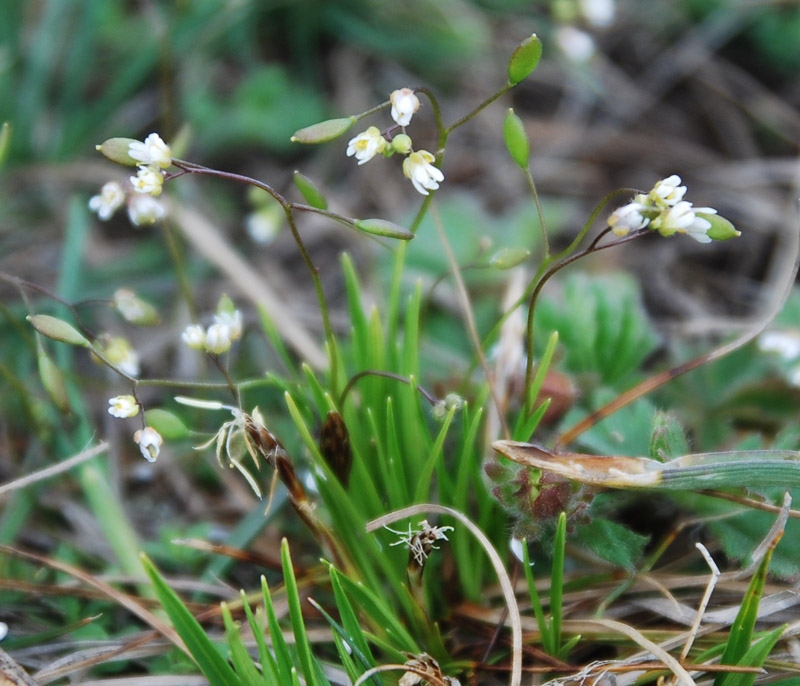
(538, 611)
(350, 624)
(283, 659)
(269, 667)
(741, 633)
(242, 662)
(302, 644)
(755, 657)
(211, 663)
(557, 582)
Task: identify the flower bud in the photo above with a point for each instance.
(516, 139)
(324, 131)
(117, 150)
(57, 329)
(401, 143)
(524, 59)
(311, 193)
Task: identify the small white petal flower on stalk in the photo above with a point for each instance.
(668, 192)
(194, 336)
(150, 442)
(153, 151)
(108, 201)
(218, 339)
(122, 406)
(627, 218)
(681, 218)
(148, 180)
(366, 145)
(144, 210)
(233, 322)
(417, 167)
(785, 343)
(404, 105)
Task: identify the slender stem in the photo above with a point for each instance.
(593, 247)
(177, 260)
(224, 370)
(181, 383)
(483, 105)
(288, 208)
(534, 192)
(388, 375)
(470, 320)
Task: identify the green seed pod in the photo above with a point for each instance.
(116, 149)
(516, 139)
(5, 142)
(57, 329)
(311, 193)
(381, 227)
(524, 59)
(721, 229)
(324, 131)
(506, 258)
(53, 381)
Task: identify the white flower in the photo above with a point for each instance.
(152, 151)
(264, 224)
(218, 338)
(417, 167)
(110, 199)
(627, 218)
(668, 192)
(577, 45)
(404, 105)
(682, 218)
(366, 145)
(194, 336)
(122, 406)
(233, 322)
(785, 343)
(148, 180)
(598, 12)
(150, 442)
(144, 210)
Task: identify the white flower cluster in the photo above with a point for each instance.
(418, 165)
(218, 337)
(664, 210)
(153, 155)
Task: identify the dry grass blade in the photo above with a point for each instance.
(123, 599)
(11, 674)
(53, 470)
(681, 675)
